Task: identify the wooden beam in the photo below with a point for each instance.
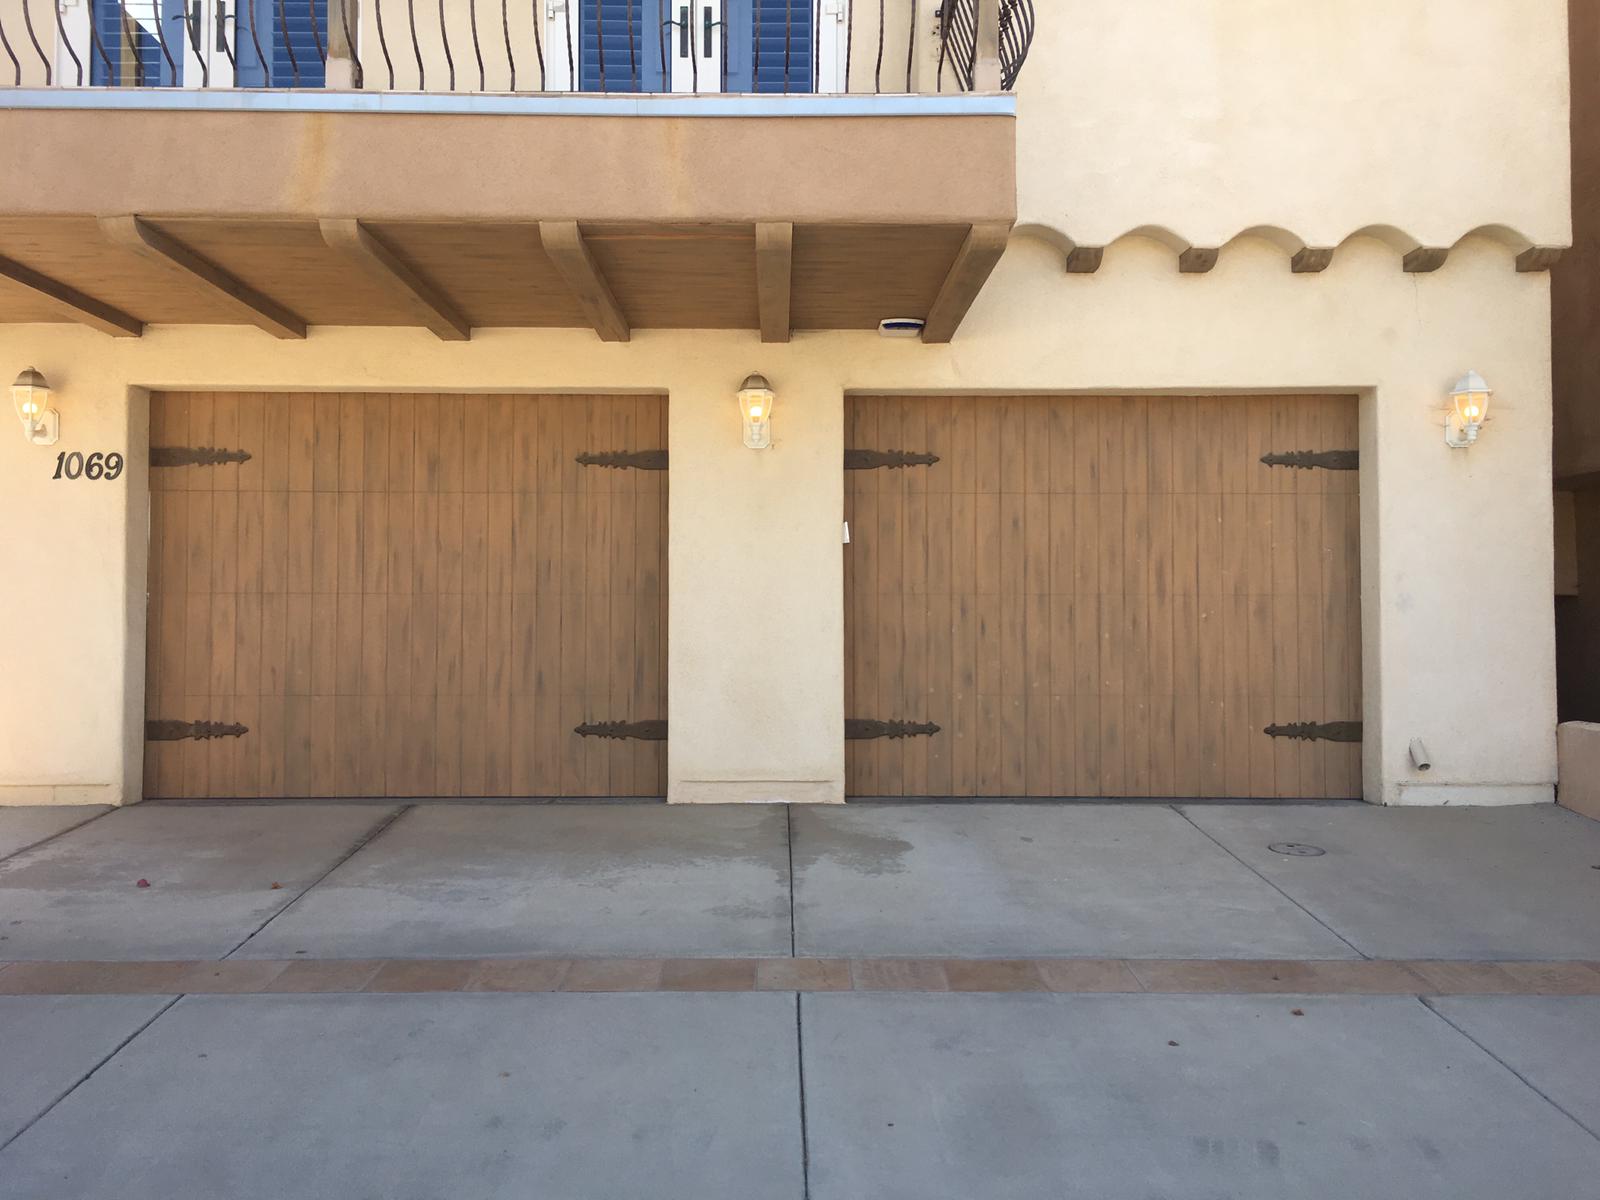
(433, 309)
(974, 262)
(564, 244)
(1085, 260)
(774, 278)
(1197, 260)
(1539, 258)
(144, 239)
(1311, 260)
(1425, 259)
(84, 309)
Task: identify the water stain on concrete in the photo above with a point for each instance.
(853, 850)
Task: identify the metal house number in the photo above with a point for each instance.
(73, 465)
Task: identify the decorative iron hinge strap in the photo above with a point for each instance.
(644, 731)
(866, 731)
(871, 460)
(200, 731)
(1311, 731)
(621, 460)
(195, 456)
(1306, 460)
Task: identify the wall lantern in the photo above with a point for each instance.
(756, 398)
(41, 424)
(1469, 409)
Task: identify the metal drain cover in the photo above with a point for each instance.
(1297, 849)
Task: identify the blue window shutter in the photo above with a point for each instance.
(619, 46)
(137, 59)
(293, 33)
(781, 30)
(781, 33)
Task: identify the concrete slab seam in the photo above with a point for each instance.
(44, 841)
(87, 1075)
(800, 1076)
(361, 843)
(1427, 1003)
(1177, 808)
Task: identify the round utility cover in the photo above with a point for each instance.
(1297, 849)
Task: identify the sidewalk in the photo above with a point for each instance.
(1010, 1001)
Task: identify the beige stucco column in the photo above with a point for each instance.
(755, 611)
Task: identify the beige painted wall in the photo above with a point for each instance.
(1457, 560)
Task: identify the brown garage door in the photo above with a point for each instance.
(1102, 597)
(404, 595)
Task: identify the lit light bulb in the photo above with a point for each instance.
(755, 412)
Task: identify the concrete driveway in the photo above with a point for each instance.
(878, 1001)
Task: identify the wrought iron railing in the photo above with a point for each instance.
(785, 46)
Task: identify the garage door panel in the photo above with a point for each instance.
(1132, 596)
(382, 572)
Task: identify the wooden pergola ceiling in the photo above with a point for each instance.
(120, 273)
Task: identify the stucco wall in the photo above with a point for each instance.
(1213, 116)
(1457, 560)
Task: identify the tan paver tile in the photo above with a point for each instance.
(94, 978)
(708, 975)
(1468, 978)
(992, 975)
(613, 975)
(235, 977)
(803, 975)
(1087, 975)
(520, 975)
(1550, 979)
(325, 975)
(421, 975)
(899, 975)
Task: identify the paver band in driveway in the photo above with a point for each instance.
(238, 976)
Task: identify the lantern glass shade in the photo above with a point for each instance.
(31, 395)
(1471, 397)
(756, 400)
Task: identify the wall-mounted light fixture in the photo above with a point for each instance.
(41, 424)
(1469, 409)
(756, 398)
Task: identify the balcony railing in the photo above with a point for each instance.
(629, 46)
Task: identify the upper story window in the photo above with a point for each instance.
(207, 43)
(685, 45)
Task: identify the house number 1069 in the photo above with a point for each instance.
(96, 466)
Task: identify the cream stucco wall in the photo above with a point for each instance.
(1457, 560)
(1209, 117)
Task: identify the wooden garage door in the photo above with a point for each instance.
(405, 595)
(1102, 597)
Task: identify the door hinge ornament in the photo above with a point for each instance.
(644, 731)
(200, 731)
(1306, 460)
(195, 456)
(865, 731)
(621, 460)
(871, 460)
(1311, 731)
